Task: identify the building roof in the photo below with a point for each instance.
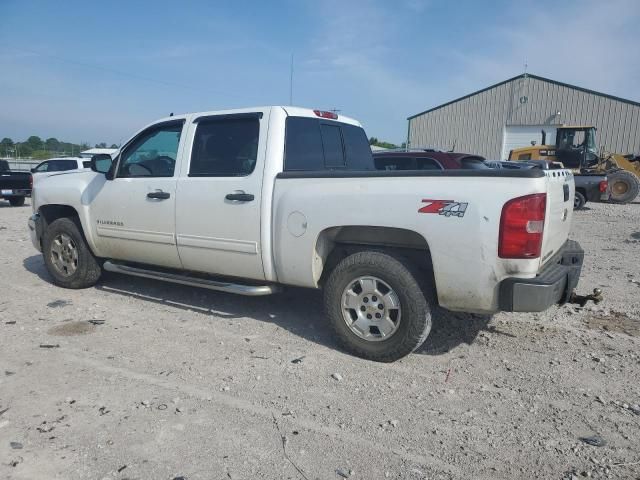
(529, 75)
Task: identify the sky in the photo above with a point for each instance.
(98, 71)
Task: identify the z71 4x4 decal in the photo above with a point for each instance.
(448, 208)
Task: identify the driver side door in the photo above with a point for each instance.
(133, 215)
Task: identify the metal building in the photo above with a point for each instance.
(513, 113)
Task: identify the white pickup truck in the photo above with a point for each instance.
(245, 201)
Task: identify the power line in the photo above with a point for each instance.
(107, 69)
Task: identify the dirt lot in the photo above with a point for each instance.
(138, 379)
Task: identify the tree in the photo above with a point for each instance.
(6, 146)
(52, 144)
(84, 146)
(24, 149)
(41, 155)
(378, 143)
(101, 145)
(35, 142)
(113, 145)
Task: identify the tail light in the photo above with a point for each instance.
(522, 226)
(323, 114)
(603, 185)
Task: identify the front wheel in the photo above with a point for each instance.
(377, 307)
(67, 256)
(16, 201)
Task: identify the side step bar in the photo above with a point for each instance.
(248, 290)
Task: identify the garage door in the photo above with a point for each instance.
(522, 136)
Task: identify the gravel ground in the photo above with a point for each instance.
(139, 379)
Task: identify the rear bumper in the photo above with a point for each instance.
(14, 192)
(595, 195)
(605, 196)
(35, 230)
(553, 285)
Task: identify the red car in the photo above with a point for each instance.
(426, 159)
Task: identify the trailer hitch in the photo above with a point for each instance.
(595, 297)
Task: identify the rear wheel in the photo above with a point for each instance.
(377, 308)
(624, 186)
(16, 201)
(579, 201)
(67, 256)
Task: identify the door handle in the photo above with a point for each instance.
(240, 197)
(159, 194)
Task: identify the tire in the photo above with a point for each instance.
(579, 201)
(16, 201)
(412, 319)
(64, 246)
(624, 186)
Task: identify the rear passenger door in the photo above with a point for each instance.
(219, 195)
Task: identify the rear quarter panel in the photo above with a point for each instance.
(463, 248)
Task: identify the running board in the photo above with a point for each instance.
(248, 290)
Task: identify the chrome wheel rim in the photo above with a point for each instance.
(620, 187)
(371, 308)
(64, 255)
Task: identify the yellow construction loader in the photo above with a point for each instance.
(576, 149)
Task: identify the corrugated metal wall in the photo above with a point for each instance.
(475, 124)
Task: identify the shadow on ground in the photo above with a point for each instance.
(451, 329)
(6, 204)
(297, 310)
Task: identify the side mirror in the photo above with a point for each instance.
(101, 163)
(33, 170)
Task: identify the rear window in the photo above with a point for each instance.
(428, 164)
(395, 163)
(316, 145)
(473, 164)
(332, 144)
(406, 163)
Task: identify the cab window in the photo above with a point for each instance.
(62, 165)
(225, 147)
(43, 167)
(153, 153)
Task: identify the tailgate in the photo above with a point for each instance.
(15, 180)
(560, 192)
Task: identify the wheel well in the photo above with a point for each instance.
(53, 212)
(582, 191)
(336, 243)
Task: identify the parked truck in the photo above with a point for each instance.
(14, 186)
(247, 201)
